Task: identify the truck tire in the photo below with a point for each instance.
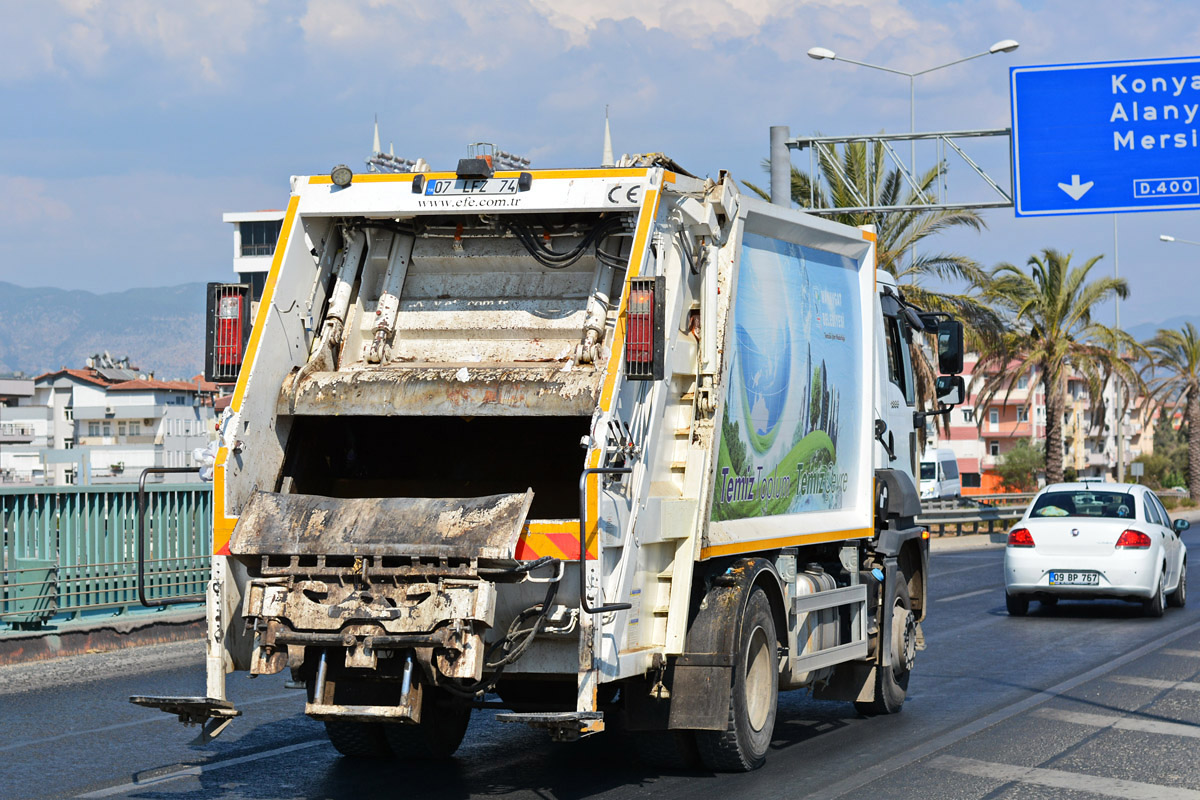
(743, 745)
(443, 726)
(891, 683)
(357, 739)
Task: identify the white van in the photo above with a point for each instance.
(939, 475)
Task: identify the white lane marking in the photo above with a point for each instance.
(1058, 779)
(1154, 683)
(883, 768)
(1186, 653)
(200, 769)
(1121, 723)
(967, 594)
(161, 717)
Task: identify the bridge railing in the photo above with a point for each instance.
(73, 549)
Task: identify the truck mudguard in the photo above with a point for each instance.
(702, 676)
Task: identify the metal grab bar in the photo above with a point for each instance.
(141, 535)
(583, 601)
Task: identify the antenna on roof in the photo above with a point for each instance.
(375, 146)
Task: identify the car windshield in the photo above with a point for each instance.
(928, 470)
(1084, 503)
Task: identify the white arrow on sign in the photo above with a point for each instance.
(1076, 189)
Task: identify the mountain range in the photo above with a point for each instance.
(161, 330)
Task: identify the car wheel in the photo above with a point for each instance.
(1157, 604)
(1178, 598)
(1017, 606)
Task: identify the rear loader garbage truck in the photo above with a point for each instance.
(599, 449)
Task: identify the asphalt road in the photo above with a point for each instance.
(1081, 701)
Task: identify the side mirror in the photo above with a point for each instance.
(950, 389)
(1180, 525)
(950, 346)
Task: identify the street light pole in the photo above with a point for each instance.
(825, 54)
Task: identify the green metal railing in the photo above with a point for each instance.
(72, 549)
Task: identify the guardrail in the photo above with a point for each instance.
(69, 550)
(974, 514)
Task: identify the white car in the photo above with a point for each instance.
(1093, 540)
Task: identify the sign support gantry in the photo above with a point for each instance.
(823, 150)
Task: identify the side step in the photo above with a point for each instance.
(211, 714)
(564, 726)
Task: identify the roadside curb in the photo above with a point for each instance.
(100, 635)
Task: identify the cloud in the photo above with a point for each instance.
(86, 37)
(106, 234)
(25, 201)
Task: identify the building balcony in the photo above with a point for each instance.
(1008, 430)
(17, 434)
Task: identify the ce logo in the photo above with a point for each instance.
(632, 194)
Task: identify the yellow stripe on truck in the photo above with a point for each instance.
(786, 541)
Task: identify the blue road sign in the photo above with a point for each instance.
(1106, 137)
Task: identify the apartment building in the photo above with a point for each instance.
(980, 436)
(102, 425)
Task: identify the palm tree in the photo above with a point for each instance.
(1053, 332)
(1175, 369)
(859, 177)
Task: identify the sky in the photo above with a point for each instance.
(129, 126)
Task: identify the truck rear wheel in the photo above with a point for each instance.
(443, 726)
(357, 739)
(743, 745)
(891, 682)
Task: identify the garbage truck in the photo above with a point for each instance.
(613, 449)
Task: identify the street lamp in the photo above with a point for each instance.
(823, 54)
(1166, 238)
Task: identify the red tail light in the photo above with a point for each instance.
(227, 331)
(1133, 540)
(1020, 537)
(644, 329)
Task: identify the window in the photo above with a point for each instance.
(107, 428)
(994, 448)
(899, 370)
(1150, 511)
(1023, 382)
(259, 238)
(180, 400)
(135, 429)
(1022, 414)
(1162, 510)
(93, 429)
(69, 414)
(69, 477)
(993, 417)
(258, 280)
(68, 444)
(972, 480)
(120, 428)
(968, 415)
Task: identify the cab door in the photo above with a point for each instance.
(898, 393)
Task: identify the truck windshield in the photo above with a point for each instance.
(928, 470)
(1113, 505)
